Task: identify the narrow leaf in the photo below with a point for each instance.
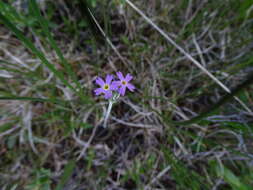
(68, 170)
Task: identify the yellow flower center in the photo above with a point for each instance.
(124, 82)
(106, 86)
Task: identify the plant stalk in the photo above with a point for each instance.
(108, 113)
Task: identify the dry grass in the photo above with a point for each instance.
(141, 148)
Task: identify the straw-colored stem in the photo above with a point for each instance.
(108, 113)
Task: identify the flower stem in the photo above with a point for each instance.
(108, 113)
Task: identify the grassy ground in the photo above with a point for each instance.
(51, 134)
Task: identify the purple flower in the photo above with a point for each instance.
(123, 83)
(106, 87)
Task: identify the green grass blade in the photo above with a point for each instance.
(231, 178)
(45, 26)
(225, 99)
(68, 170)
(184, 176)
(38, 53)
(54, 101)
(9, 12)
(213, 108)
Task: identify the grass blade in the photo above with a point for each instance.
(209, 111)
(216, 106)
(221, 102)
(170, 40)
(68, 170)
(38, 53)
(45, 26)
(54, 101)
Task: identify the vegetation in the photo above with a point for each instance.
(188, 125)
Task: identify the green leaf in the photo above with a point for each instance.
(68, 170)
(230, 178)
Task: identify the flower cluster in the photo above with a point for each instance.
(110, 85)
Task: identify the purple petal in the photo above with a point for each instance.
(114, 86)
(108, 79)
(122, 90)
(116, 83)
(98, 91)
(120, 75)
(128, 77)
(100, 81)
(108, 94)
(130, 87)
